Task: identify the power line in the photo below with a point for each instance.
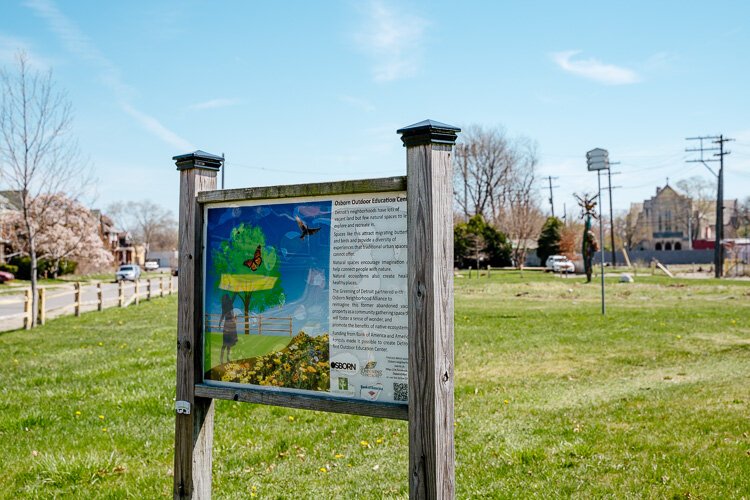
(705, 160)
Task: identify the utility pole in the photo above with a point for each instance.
(719, 228)
(551, 196)
(611, 213)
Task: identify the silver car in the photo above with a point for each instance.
(129, 272)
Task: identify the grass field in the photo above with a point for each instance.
(248, 346)
(552, 400)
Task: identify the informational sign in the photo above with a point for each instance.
(597, 159)
(308, 295)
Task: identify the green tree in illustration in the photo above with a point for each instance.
(258, 289)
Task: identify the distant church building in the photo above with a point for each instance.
(672, 221)
(663, 222)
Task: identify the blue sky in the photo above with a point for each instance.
(314, 91)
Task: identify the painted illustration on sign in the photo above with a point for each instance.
(309, 296)
(266, 317)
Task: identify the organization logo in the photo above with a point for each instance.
(343, 384)
(370, 392)
(344, 363)
(369, 370)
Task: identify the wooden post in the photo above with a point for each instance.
(171, 285)
(27, 310)
(136, 291)
(489, 270)
(99, 297)
(42, 306)
(77, 298)
(161, 286)
(193, 430)
(148, 289)
(430, 255)
(120, 294)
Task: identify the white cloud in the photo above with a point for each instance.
(594, 70)
(393, 40)
(157, 129)
(214, 103)
(76, 42)
(358, 103)
(10, 47)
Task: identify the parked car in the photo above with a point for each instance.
(6, 276)
(129, 272)
(151, 265)
(559, 264)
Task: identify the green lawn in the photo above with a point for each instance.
(248, 346)
(552, 400)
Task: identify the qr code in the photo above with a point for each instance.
(400, 391)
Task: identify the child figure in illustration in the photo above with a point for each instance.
(229, 318)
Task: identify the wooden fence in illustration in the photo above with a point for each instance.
(252, 324)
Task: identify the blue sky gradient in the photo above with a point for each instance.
(314, 91)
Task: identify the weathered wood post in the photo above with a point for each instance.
(194, 422)
(99, 297)
(171, 285)
(77, 298)
(430, 255)
(161, 286)
(136, 291)
(120, 294)
(42, 306)
(27, 305)
(148, 289)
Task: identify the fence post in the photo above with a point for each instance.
(489, 270)
(429, 147)
(171, 285)
(99, 297)
(77, 299)
(161, 286)
(260, 324)
(42, 306)
(148, 289)
(194, 431)
(120, 294)
(27, 310)
(137, 291)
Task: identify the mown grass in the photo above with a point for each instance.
(552, 400)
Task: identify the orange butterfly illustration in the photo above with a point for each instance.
(255, 262)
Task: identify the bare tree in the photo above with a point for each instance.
(702, 193)
(37, 155)
(149, 224)
(495, 176)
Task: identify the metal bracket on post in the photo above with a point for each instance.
(182, 407)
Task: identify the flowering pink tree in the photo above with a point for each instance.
(63, 229)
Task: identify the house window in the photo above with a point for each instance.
(658, 246)
(678, 246)
(667, 246)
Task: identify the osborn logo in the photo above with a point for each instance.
(340, 365)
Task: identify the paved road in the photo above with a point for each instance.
(60, 299)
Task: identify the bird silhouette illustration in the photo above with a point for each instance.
(306, 231)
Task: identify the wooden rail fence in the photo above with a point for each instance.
(128, 293)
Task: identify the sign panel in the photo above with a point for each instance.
(308, 295)
(597, 159)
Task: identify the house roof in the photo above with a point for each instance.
(10, 200)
